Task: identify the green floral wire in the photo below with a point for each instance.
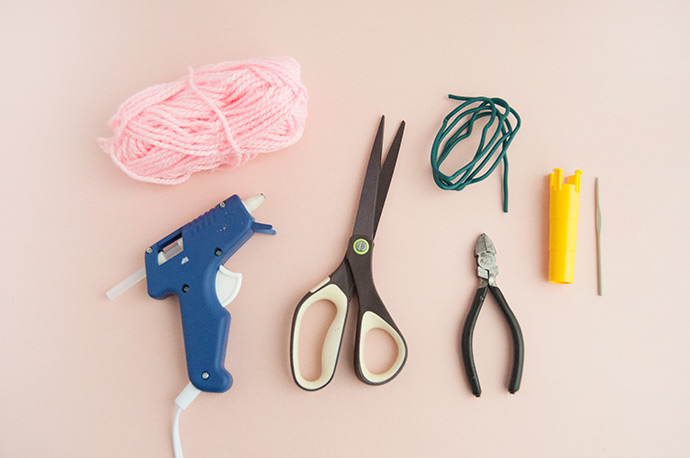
(498, 127)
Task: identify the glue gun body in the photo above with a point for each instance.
(189, 264)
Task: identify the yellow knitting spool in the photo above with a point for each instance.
(564, 204)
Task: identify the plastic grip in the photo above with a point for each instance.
(518, 343)
(205, 326)
(369, 321)
(466, 343)
(330, 292)
(372, 312)
(468, 333)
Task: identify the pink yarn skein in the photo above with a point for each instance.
(218, 117)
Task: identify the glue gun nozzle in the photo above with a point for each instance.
(252, 203)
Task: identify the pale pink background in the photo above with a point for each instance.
(601, 86)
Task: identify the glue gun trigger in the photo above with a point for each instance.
(228, 284)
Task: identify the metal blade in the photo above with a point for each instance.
(485, 252)
(364, 221)
(484, 245)
(387, 174)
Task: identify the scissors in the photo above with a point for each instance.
(354, 276)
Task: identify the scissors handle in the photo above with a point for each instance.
(333, 289)
(372, 313)
(371, 320)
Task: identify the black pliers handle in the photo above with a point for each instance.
(487, 271)
(468, 332)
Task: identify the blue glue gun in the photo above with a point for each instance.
(189, 263)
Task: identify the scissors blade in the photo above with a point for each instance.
(365, 221)
(386, 174)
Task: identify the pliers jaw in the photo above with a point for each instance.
(485, 252)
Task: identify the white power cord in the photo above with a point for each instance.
(183, 400)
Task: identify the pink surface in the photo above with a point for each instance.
(600, 86)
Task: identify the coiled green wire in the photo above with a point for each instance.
(498, 129)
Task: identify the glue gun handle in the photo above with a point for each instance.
(205, 325)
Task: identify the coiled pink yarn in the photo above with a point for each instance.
(218, 117)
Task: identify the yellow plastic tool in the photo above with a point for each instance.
(564, 207)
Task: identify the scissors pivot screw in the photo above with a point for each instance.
(361, 246)
(205, 375)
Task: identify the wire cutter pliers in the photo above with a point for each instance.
(487, 271)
